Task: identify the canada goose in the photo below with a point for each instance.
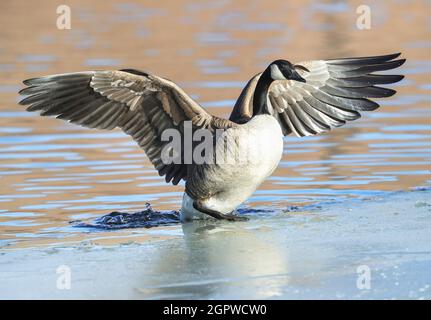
(305, 99)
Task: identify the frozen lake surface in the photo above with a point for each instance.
(315, 252)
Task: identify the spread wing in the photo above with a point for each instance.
(336, 91)
(142, 105)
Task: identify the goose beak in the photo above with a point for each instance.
(295, 76)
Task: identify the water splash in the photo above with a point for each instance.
(147, 218)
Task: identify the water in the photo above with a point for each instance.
(148, 218)
(305, 252)
(52, 173)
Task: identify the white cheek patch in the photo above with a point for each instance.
(276, 73)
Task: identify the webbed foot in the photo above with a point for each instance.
(215, 214)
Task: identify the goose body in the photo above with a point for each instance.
(305, 99)
(260, 136)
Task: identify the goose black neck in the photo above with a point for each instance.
(261, 93)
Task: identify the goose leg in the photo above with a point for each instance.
(215, 214)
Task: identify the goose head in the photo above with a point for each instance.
(284, 70)
(277, 70)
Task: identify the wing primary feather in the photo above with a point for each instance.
(307, 119)
(370, 68)
(364, 60)
(60, 78)
(325, 121)
(332, 111)
(290, 124)
(355, 104)
(74, 114)
(358, 92)
(299, 126)
(364, 81)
